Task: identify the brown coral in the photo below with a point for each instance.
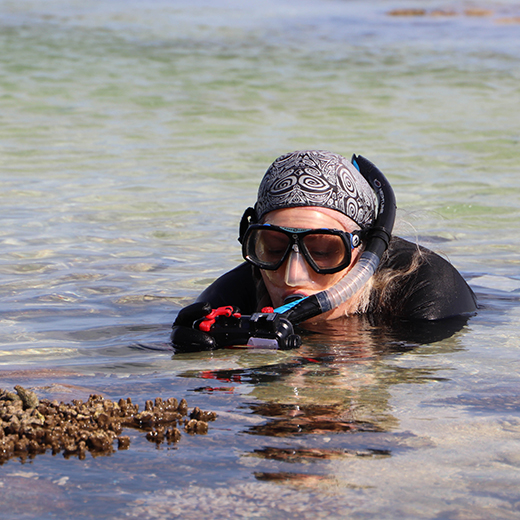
(407, 12)
(29, 426)
(474, 11)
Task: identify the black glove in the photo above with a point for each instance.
(186, 338)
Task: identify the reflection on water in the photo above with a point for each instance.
(302, 455)
(320, 419)
(330, 400)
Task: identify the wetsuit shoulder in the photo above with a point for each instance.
(237, 287)
(417, 283)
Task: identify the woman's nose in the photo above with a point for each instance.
(297, 272)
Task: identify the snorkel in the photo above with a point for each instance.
(379, 235)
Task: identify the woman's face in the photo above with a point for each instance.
(297, 277)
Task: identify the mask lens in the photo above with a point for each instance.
(327, 251)
(267, 247)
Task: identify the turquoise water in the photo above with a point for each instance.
(132, 137)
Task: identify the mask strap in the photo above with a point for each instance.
(249, 217)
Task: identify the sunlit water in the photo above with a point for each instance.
(132, 137)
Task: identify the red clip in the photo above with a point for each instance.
(268, 310)
(209, 319)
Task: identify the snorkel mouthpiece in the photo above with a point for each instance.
(293, 298)
(379, 236)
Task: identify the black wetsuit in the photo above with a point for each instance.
(431, 290)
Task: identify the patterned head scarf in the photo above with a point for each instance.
(317, 178)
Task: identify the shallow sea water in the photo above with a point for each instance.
(132, 137)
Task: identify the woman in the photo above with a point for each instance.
(314, 216)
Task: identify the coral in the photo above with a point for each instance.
(29, 426)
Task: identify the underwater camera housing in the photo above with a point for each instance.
(259, 330)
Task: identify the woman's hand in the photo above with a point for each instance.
(185, 337)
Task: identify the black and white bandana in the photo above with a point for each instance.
(317, 178)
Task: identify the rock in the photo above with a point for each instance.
(29, 398)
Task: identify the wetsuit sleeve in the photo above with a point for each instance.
(237, 287)
(433, 291)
